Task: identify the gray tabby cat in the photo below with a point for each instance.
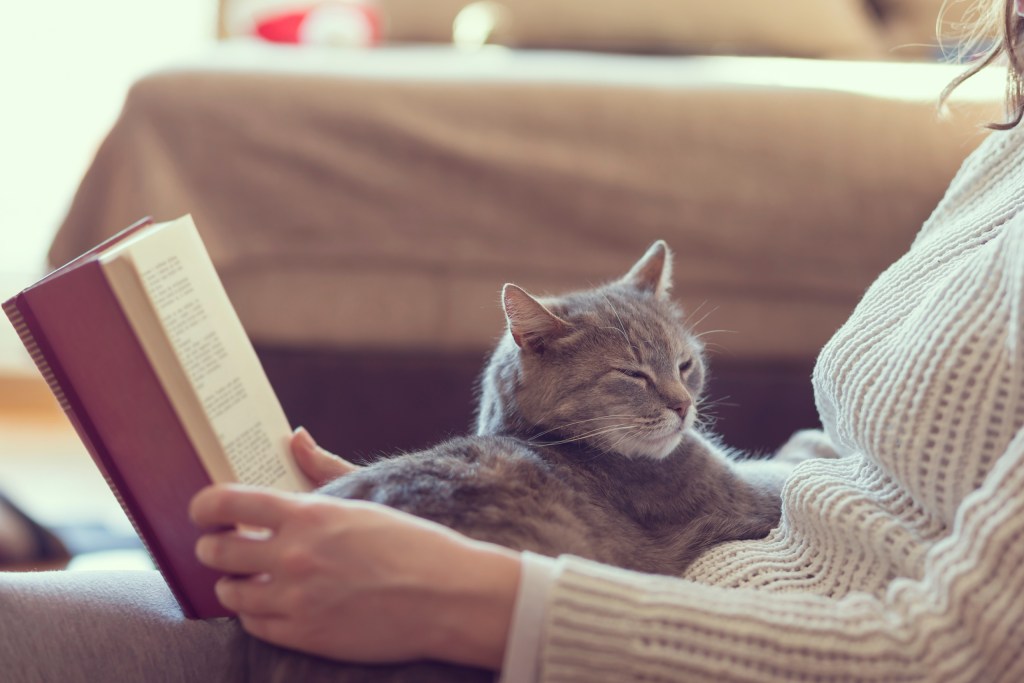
(586, 444)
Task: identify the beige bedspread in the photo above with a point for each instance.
(380, 199)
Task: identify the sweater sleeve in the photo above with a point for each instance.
(520, 665)
(960, 621)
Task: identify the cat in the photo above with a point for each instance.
(587, 443)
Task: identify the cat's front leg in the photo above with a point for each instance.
(770, 474)
(805, 445)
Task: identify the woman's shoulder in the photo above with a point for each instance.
(990, 179)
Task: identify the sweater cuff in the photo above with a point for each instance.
(608, 625)
(522, 651)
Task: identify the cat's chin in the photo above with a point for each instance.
(654, 446)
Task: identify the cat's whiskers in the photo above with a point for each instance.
(595, 432)
(616, 329)
(622, 326)
(613, 446)
(576, 422)
(705, 422)
(610, 448)
(686, 320)
(701, 335)
(705, 411)
(720, 401)
(586, 435)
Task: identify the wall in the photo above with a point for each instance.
(65, 66)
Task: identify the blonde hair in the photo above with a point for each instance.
(997, 20)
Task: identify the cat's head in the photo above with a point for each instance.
(614, 368)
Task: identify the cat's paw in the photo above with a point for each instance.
(806, 444)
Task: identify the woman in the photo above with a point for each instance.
(903, 559)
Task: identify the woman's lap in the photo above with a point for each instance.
(87, 626)
(106, 626)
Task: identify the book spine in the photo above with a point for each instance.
(29, 341)
(33, 339)
(39, 357)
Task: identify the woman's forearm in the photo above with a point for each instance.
(475, 607)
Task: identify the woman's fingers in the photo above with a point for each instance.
(316, 463)
(236, 552)
(232, 504)
(253, 596)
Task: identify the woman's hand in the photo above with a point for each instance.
(316, 463)
(357, 581)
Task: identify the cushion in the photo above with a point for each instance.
(923, 28)
(801, 28)
(811, 28)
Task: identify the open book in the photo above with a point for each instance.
(143, 350)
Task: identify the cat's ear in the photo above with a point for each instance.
(653, 272)
(532, 325)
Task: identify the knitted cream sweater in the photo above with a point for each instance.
(902, 560)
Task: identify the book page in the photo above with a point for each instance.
(175, 302)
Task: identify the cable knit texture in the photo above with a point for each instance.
(904, 559)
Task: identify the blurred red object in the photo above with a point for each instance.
(348, 24)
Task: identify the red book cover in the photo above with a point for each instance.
(83, 344)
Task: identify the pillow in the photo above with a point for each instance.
(910, 28)
(806, 28)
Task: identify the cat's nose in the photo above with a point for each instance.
(680, 408)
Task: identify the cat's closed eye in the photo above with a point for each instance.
(685, 366)
(634, 374)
